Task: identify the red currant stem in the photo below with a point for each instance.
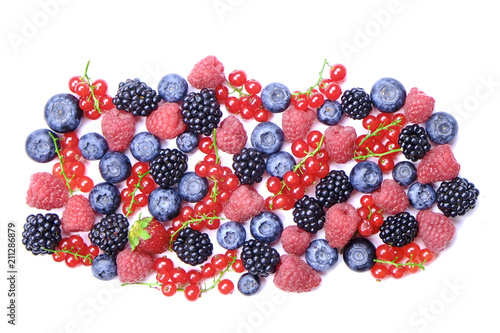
(136, 187)
(371, 212)
(397, 264)
(370, 153)
(85, 77)
(88, 256)
(297, 166)
(308, 91)
(188, 222)
(214, 144)
(236, 89)
(215, 190)
(61, 162)
(219, 278)
(380, 128)
(154, 285)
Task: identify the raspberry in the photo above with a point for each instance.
(391, 197)
(166, 122)
(436, 230)
(231, 136)
(341, 223)
(438, 164)
(118, 128)
(133, 266)
(418, 106)
(243, 204)
(46, 191)
(77, 215)
(295, 240)
(295, 275)
(296, 124)
(207, 73)
(340, 143)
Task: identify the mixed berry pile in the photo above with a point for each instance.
(150, 215)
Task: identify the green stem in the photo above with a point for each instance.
(380, 128)
(154, 285)
(61, 163)
(185, 224)
(136, 187)
(236, 89)
(397, 264)
(88, 256)
(219, 278)
(370, 153)
(85, 77)
(308, 91)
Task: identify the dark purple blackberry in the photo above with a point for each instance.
(192, 246)
(259, 258)
(110, 234)
(333, 188)
(356, 103)
(41, 232)
(201, 111)
(168, 167)
(414, 142)
(249, 166)
(309, 214)
(456, 197)
(399, 230)
(136, 97)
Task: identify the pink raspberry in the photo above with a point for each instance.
(77, 215)
(231, 136)
(295, 275)
(435, 229)
(418, 106)
(295, 240)
(296, 124)
(243, 204)
(166, 121)
(133, 266)
(340, 225)
(46, 191)
(437, 165)
(207, 73)
(340, 142)
(118, 128)
(391, 197)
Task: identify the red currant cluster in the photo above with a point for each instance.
(382, 139)
(248, 104)
(313, 165)
(137, 181)
(371, 216)
(73, 251)
(93, 94)
(391, 260)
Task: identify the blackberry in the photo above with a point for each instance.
(168, 167)
(41, 232)
(192, 246)
(414, 142)
(259, 258)
(110, 234)
(356, 103)
(399, 230)
(201, 111)
(456, 196)
(249, 166)
(136, 97)
(309, 214)
(333, 188)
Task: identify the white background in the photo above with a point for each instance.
(448, 49)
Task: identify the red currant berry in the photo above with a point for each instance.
(208, 270)
(220, 261)
(261, 115)
(238, 266)
(291, 179)
(233, 104)
(386, 163)
(273, 184)
(426, 255)
(73, 82)
(253, 86)
(178, 275)
(338, 72)
(82, 89)
(85, 184)
(221, 92)
(192, 292)
(201, 169)
(315, 100)
(385, 252)
(314, 139)
(396, 272)
(169, 289)
(370, 123)
(237, 78)
(379, 271)
(312, 165)
(100, 87)
(300, 148)
(225, 287)
(333, 91)
(58, 256)
(206, 145)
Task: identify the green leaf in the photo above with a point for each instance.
(145, 222)
(134, 241)
(143, 234)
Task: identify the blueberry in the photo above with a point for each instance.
(164, 203)
(279, 163)
(441, 127)
(187, 142)
(320, 255)
(115, 167)
(359, 254)
(330, 113)
(231, 235)
(276, 97)
(248, 284)
(366, 177)
(266, 227)
(62, 113)
(40, 146)
(404, 173)
(267, 137)
(192, 188)
(388, 95)
(93, 146)
(172, 88)
(421, 196)
(104, 267)
(145, 146)
(104, 198)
